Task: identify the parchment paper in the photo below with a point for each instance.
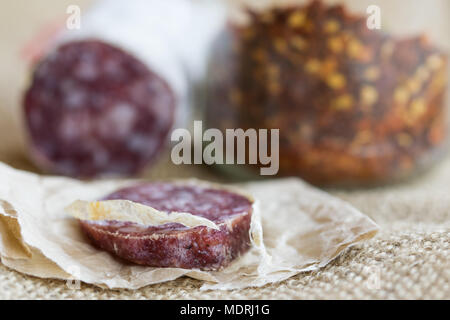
(300, 229)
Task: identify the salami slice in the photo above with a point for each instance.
(173, 244)
(95, 110)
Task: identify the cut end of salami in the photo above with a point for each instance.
(94, 110)
(173, 244)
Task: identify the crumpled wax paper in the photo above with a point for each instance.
(295, 228)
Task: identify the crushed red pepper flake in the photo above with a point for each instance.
(352, 104)
(369, 95)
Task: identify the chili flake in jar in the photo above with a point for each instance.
(353, 105)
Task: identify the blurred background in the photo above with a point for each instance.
(21, 21)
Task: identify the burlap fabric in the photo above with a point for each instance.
(408, 259)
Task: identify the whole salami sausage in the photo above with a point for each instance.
(103, 98)
(172, 244)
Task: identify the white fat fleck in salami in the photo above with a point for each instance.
(172, 244)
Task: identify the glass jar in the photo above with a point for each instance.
(356, 88)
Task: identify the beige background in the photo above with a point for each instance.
(410, 258)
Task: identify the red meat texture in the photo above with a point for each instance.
(94, 110)
(173, 244)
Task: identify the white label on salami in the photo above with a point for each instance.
(125, 210)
